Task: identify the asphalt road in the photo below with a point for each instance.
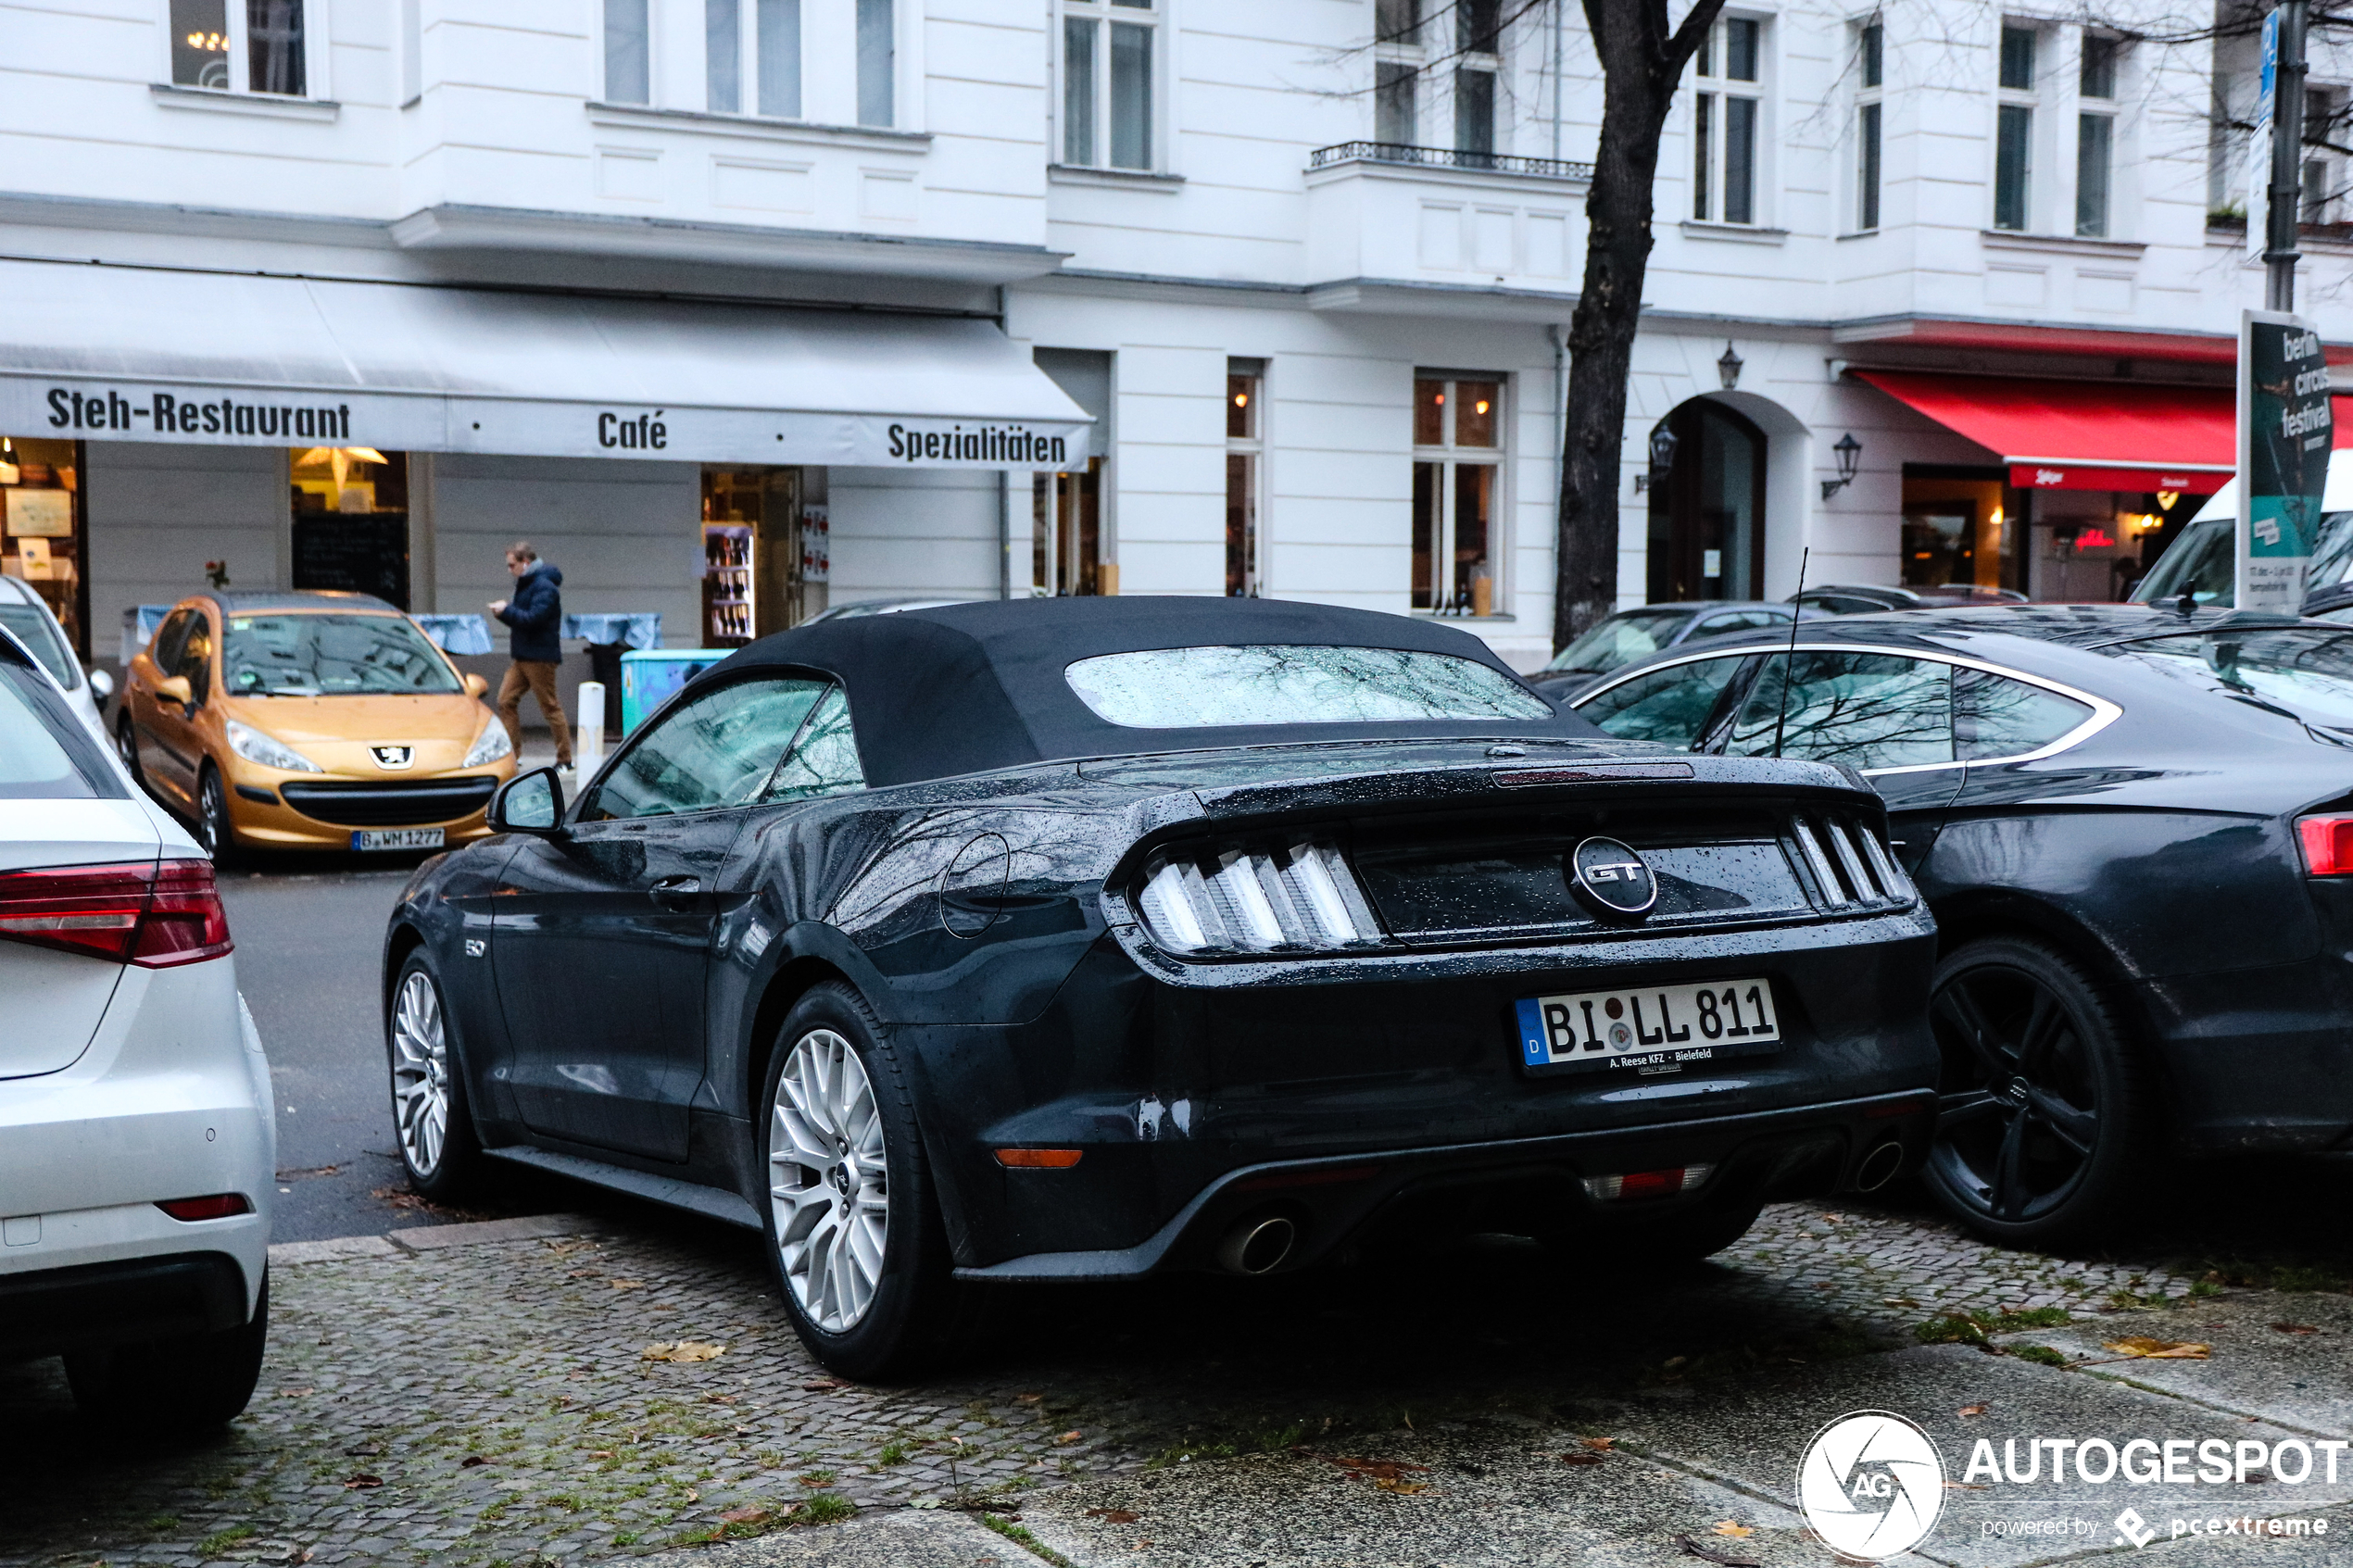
(309, 936)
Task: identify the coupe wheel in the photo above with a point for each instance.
(429, 1110)
(855, 1237)
(2042, 1114)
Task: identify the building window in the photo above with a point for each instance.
(1245, 449)
(1458, 466)
(1479, 49)
(1725, 115)
(241, 47)
(1108, 61)
(752, 49)
(629, 76)
(2014, 130)
(1870, 50)
(2324, 114)
(2095, 136)
(1398, 60)
(877, 63)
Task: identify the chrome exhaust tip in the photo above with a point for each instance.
(1879, 1167)
(1257, 1246)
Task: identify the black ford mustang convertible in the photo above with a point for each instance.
(1085, 938)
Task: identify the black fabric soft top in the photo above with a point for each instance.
(969, 687)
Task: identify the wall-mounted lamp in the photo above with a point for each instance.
(1663, 444)
(1850, 455)
(1729, 366)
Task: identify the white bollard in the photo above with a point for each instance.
(589, 735)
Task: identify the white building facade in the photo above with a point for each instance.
(739, 308)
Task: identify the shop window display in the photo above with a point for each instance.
(1066, 534)
(43, 529)
(765, 552)
(351, 520)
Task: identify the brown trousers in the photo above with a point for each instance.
(539, 676)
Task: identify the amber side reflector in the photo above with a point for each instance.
(1038, 1159)
(220, 1206)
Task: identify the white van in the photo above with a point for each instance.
(2200, 563)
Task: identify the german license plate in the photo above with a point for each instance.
(396, 838)
(1655, 1030)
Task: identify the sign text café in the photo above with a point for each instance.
(440, 423)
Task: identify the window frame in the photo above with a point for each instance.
(1253, 448)
(1870, 123)
(654, 58)
(1103, 15)
(2104, 712)
(1714, 91)
(1450, 455)
(2027, 101)
(2105, 110)
(748, 102)
(315, 55)
(1409, 54)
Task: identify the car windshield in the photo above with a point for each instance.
(2202, 562)
(1212, 688)
(1621, 639)
(332, 656)
(32, 629)
(2307, 672)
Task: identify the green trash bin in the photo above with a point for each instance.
(648, 677)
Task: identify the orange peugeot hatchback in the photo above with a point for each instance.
(309, 721)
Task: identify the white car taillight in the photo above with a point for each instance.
(1299, 898)
(155, 914)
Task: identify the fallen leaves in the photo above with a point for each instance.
(749, 1514)
(1733, 1528)
(1027, 1398)
(1388, 1475)
(294, 1392)
(1599, 1445)
(2294, 1328)
(682, 1352)
(471, 1461)
(1690, 1548)
(362, 1481)
(1114, 1515)
(1070, 1437)
(825, 1385)
(627, 1284)
(2140, 1347)
(1972, 1409)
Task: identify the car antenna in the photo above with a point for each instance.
(1789, 667)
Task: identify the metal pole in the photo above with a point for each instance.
(2287, 162)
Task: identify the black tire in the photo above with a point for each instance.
(214, 829)
(444, 1161)
(914, 1310)
(126, 745)
(180, 1387)
(2045, 1115)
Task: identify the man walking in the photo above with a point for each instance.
(533, 615)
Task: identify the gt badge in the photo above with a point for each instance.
(473, 947)
(394, 757)
(1611, 880)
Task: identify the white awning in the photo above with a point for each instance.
(152, 354)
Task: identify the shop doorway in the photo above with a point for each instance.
(44, 530)
(1708, 517)
(1961, 527)
(1066, 533)
(763, 548)
(350, 521)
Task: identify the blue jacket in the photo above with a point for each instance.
(535, 612)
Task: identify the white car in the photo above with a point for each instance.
(138, 1144)
(22, 612)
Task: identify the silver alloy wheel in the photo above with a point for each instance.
(212, 816)
(828, 1181)
(419, 1073)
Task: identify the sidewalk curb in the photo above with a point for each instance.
(413, 1240)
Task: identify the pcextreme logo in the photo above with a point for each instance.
(1872, 1485)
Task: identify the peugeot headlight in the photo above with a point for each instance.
(255, 747)
(490, 745)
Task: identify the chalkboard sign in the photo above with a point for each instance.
(355, 552)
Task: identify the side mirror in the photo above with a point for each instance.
(101, 684)
(175, 688)
(532, 802)
(476, 685)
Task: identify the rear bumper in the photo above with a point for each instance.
(1528, 1186)
(50, 1310)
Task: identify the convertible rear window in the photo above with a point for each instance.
(332, 656)
(1217, 687)
(2308, 672)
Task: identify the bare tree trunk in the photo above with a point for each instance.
(1642, 61)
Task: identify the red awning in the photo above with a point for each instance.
(2082, 436)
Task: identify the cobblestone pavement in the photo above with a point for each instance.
(491, 1403)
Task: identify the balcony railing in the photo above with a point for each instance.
(1447, 157)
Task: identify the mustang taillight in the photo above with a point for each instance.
(151, 913)
(1302, 898)
(2328, 845)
